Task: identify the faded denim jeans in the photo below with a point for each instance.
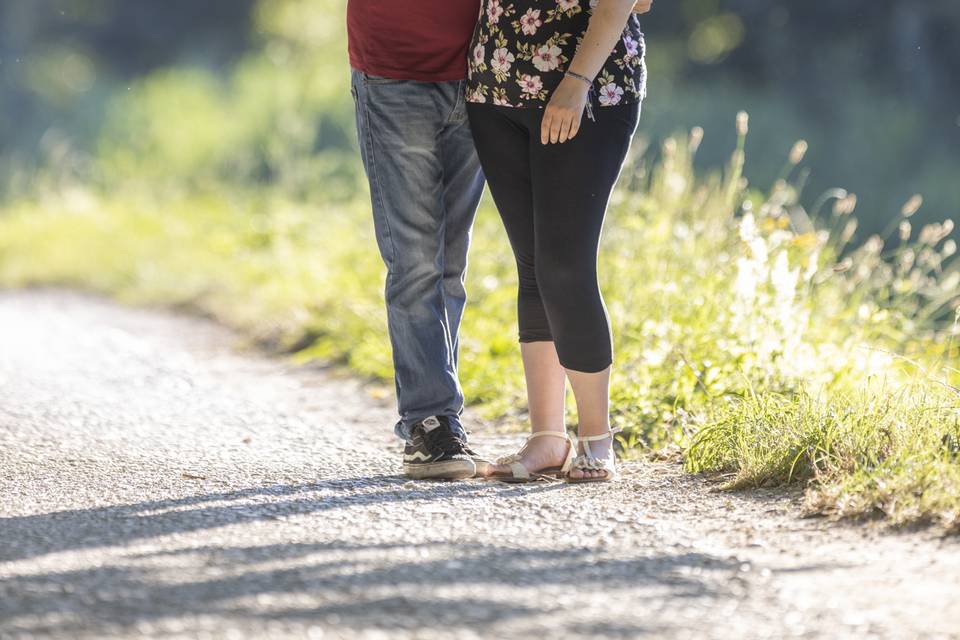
(425, 185)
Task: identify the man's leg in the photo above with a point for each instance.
(400, 126)
(462, 188)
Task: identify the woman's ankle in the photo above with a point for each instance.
(591, 431)
(544, 429)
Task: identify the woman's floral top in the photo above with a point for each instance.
(521, 48)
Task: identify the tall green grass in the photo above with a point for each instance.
(752, 331)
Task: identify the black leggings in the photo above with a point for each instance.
(553, 199)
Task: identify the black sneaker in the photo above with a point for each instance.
(483, 465)
(436, 452)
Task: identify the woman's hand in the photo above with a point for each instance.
(643, 6)
(564, 112)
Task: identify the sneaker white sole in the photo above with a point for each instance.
(483, 467)
(447, 470)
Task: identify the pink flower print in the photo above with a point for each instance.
(502, 59)
(530, 22)
(530, 85)
(479, 53)
(494, 11)
(610, 94)
(476, 96)
(566, 5)
(632, 46)
(547, 57)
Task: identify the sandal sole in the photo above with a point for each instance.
(591, 480)
(551, 473)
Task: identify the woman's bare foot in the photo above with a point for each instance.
(537, 454)
(598, 449)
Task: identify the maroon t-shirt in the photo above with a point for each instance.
(423, 40)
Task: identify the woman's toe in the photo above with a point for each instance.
(500, 470)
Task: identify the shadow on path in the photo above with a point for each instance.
(355, 586)
(23, 537)
(358, 586)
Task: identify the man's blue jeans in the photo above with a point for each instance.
(425, 184)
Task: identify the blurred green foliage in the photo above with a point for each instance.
(871, 85)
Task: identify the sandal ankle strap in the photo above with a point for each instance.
(609, 434)
(555, 434)
(586, 440)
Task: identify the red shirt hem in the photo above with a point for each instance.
(386, 71)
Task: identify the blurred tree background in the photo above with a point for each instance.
(871, 84)
(61, 61)
(867, 83)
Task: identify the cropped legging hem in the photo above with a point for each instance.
(553, 199)
(534, 337)
(581, 366)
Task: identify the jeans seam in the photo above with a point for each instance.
(443, 238)
(448, 334)
(375, 180)
(456, 104)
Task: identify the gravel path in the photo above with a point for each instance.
(159, 480)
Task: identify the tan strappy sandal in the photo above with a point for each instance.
(588, 462)
(519, 473)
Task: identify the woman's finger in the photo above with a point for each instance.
(555, 125)
(565, 128)
(545, 126)
(574, 127)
